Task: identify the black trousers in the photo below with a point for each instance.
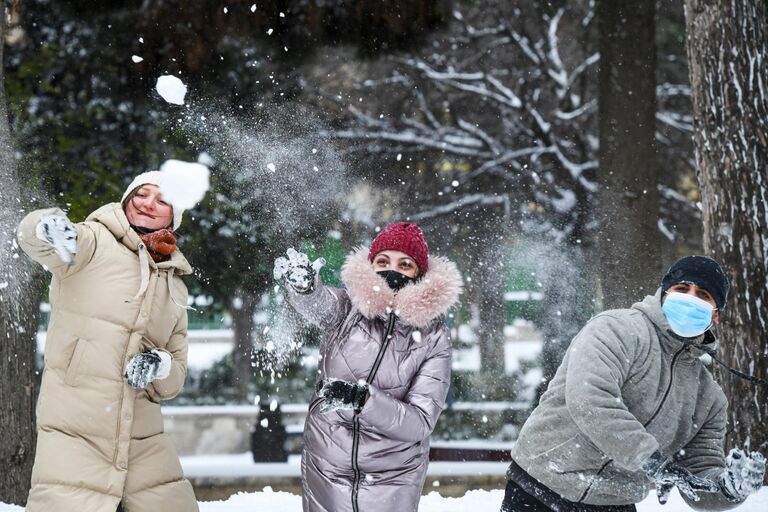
(536, 497)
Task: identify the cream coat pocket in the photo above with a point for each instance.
(73, 370)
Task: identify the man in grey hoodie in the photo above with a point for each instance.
(633, 405)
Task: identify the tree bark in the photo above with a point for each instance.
(20, 293)
(242, 310)
(728, 65)
(630, 242)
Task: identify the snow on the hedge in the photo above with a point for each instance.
(184, 183)
(171, 89)
(271, 501)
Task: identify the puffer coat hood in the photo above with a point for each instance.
(628, 386)
(376, 460)
(101, 442)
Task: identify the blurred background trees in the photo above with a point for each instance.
(544, 146)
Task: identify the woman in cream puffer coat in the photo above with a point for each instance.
(116, 346)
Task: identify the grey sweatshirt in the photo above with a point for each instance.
(626, 388)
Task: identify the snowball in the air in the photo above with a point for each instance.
(205, 159)
(136, 59)
(183, 184)
(171, 89)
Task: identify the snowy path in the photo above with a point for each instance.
(269, 501)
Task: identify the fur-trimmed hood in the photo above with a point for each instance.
(417, 304)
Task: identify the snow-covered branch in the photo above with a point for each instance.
(471, 200)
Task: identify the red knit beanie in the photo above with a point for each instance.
(404, 237)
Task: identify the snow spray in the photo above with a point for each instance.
(280, 170)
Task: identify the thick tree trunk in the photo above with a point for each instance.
(630, 242)
(242, 310)
(728, 62)
(19, 312)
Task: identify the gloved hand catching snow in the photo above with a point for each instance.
(743, 474)
(59, 233)
(340, 394)
(297, 271)
(146, 367)
(665, 474)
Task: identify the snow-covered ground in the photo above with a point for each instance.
(270, 501)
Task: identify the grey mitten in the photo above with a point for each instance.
(145, 367)
(59, 233)
(297, 271)
(743, 474)
(665, 474)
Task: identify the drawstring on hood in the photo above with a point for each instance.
(708, 347)
(170, 292)
(144, 266)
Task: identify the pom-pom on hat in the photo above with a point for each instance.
(152, 178)
(702, 271)
(404, 237)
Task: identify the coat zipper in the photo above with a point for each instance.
(122, 389)
(356, 419)
(653, 416)
(669, 386)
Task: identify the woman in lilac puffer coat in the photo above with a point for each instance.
(385, 366)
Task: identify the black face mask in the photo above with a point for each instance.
(395, 279)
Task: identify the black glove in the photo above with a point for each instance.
(340, 394)
(297, 271)
(146, 367)
(665, 474)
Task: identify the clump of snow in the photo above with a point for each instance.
(171, 89)
(136, 59)
(184, 183)
(205, 159)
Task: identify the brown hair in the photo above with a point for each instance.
(130, 197)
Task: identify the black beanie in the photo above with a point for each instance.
(703, 272)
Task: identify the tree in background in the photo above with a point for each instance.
(496, 119)
(728, 60)
(20, 293)
(495, 125)
(87, 118)
(629, 238)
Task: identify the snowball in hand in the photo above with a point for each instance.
(183, 183)
(171, 89)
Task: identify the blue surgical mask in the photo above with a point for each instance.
(688, 316)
